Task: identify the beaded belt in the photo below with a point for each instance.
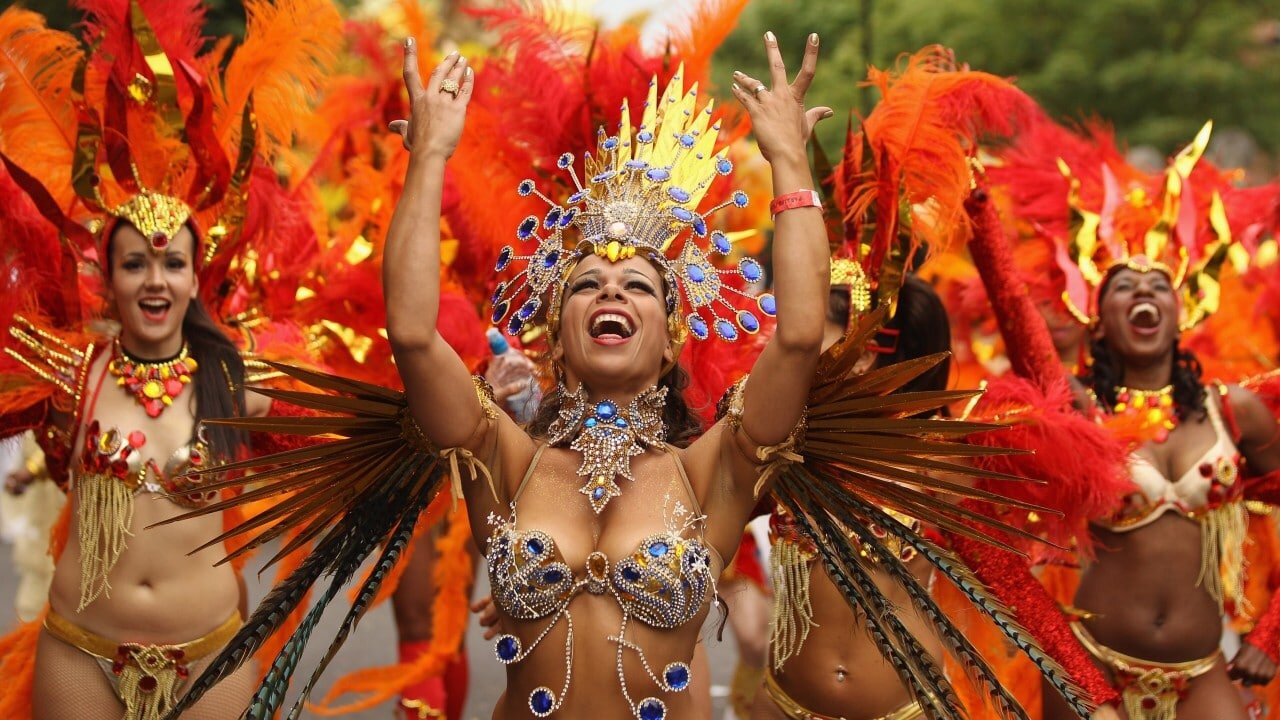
(145, 676)
(795, 711)
(1150, 690)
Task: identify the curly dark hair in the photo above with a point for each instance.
(683, 426)
(1106, 373)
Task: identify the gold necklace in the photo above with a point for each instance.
(155, 385)
(1153, 409)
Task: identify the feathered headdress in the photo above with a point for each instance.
(901, 181)
(141, 126)
(643, 191)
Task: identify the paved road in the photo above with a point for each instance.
(374, 643)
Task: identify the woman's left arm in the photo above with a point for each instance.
(1259, 443)
(775, 396)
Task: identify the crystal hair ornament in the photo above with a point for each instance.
(643, 190)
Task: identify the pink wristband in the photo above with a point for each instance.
(793, 200)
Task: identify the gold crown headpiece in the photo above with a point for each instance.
(1176, 224)
(642, 197)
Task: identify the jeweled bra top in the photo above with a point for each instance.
(111, 453)
(1211, 494)
(663, 584)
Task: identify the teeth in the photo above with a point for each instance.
(1144, 308)
(603, 318)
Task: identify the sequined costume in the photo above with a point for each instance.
(138, 126)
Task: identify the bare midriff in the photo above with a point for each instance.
(1143, 592)
(839, 671)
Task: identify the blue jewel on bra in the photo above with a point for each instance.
(542, 702)
(534, 546)
(507, 648)
(591, 422)
(551, 577)
(658, 549)
(676, 676)
(630, 574)
(651, 709)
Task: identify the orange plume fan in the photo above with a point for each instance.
(38, 117)
(290, 46)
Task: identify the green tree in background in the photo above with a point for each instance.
(1156, 69)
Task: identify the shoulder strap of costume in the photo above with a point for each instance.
(1228, 411)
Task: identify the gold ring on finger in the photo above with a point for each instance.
(449, 85)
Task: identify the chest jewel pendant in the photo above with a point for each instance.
(608, 436)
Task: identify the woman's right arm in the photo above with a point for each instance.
(437, 382)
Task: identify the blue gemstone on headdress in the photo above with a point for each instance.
(700, 225)
(525, 187)
(605, 410)
(726, 330)
(507, 648)
(768, 304)
(630, 574)
(527, 226)
(504, 258)
(564, 160)
(515, 325)
(677, 676)
(658, 549)
(609, 143)
(740, 198)
(698, 327)
(636, 164)
(542, 702)
(658, 174)
(553, 217)
(747, 321)
(751, 269)
(644, 136)
(577, 197)
(651, 709)
(688, 140)
(695, 273)
(678, 194)
(720, 242)
(534, 546)
(601, 177)
(527, 310)
(552, 576)
(723, 166)
(497, 293)
(551, 259)
(682, 215)
(567, 218)
(499, 312)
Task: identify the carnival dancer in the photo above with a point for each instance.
(603, 536)
(1144, 255)
(122, 147)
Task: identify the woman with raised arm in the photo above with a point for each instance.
(598, 526)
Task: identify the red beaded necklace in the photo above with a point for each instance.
(155, 385)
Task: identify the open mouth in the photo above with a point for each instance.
(1145, 317)
(609, 327)
(154, 309)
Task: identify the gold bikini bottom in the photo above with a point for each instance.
(145, 677)
(1150, 690)
(795, 711)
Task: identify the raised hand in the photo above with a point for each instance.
(438, 110)
(782, 125)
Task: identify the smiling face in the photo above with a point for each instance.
(1138, 316)
(151, 291)
(613, 327)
